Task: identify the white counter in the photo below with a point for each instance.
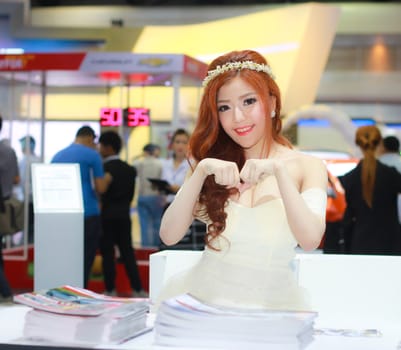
(349, 292)
(12, 322)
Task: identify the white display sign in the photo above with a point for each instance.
(57, 188)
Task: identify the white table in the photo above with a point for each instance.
(12, 323)
(349, 292)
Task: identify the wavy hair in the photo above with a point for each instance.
(209, 140)
(368, 139)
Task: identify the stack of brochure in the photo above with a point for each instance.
(184, 321)
(72, 315)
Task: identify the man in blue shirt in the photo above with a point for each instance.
(83, 151)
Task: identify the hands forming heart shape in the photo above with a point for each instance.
(243, 186)
(227, 173)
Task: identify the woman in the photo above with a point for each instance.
(176, 167)
(371, 190)
(150, 203)
(258, 196)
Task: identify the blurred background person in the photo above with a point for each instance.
(29, 157)
(389, 154)
(175, 169)
(116, 216)
(177, 165)
(371, 190)
(9, 176)
(333, 241)
(83, 151)
(150, 202)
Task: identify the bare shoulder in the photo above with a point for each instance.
(308, 160)
(304, 160)
(309, 171)
(315, 172)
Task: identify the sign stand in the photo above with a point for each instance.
(59, 225)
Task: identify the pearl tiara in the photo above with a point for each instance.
(237, 66)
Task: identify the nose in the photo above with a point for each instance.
(238, 114)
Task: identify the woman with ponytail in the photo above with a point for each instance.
(371, 191)
(258, 197)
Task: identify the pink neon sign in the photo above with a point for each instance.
(130, 117)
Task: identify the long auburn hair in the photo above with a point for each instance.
(209, 140)
(368, 139)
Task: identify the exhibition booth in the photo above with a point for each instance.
(119, 89)
(50, 95)
(356, 297)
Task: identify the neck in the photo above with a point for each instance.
(83, 141)
(111, 156)
(179, 159)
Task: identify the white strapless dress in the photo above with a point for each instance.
(254, 266)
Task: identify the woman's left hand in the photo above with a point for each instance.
(255, 170)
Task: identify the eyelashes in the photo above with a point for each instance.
(223, 108)
(245, 103)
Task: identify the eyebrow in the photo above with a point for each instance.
(241, 97)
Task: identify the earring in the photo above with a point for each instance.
(273, 114)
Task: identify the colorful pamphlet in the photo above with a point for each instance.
(71, 315)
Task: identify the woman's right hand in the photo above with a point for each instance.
(225, 173)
